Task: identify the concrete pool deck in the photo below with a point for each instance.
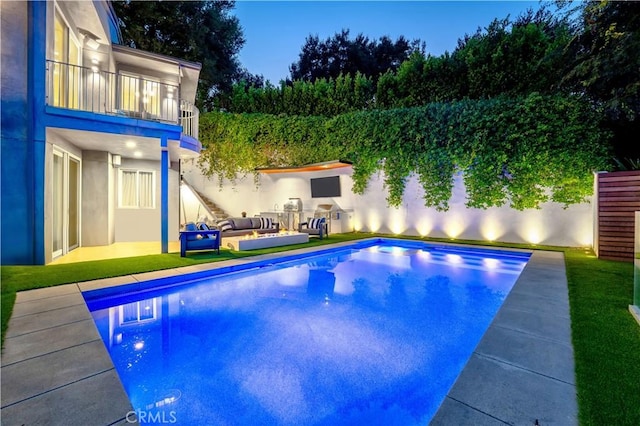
(56, 370)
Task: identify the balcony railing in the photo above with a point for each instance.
(86, 89)
(189, 117)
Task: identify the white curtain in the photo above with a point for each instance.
(129, 313)
(146, 189)
(147, 309)
(128, 89)
(128, 189)
(151, 98)
(137, 189)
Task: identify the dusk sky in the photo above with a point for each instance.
(275, 31)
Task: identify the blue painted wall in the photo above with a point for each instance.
(23, 49)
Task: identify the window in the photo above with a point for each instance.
(136, 189)
(150, 98)
(139, 95)
(129, 93)
(137, 312)
(66, 71)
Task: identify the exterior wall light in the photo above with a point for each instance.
(91, 43)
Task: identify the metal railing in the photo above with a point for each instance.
(189, 118)
(102, 92)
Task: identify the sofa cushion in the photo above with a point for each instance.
(315, 223)
(224, 225)
(242, 223)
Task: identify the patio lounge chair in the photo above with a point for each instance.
(193, 238)
(315, 226)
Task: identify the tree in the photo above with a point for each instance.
(605, 66)
(244, 77)
(340, 55)
(514, 58)
(198, 31)
(605, 52)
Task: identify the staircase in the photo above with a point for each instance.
(212, 208)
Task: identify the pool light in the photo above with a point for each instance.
(424, 254)
(491, 263)
(397, 251)
(454, 258)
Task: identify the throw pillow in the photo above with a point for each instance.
(204, 227)
(266, 222)
(315, 223)
(191, 227)
(224, 225)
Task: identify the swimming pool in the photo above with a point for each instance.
(373, 333)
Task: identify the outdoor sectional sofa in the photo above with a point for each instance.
(239, 226)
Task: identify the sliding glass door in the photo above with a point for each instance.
(58, 200)
(65, 203)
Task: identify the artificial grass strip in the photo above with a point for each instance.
(7, 302)
(606, 340)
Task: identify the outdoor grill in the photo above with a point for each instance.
(293, 205)
(291, 212)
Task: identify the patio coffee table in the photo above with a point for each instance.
(265, 241)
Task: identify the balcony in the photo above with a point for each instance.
(102, 92)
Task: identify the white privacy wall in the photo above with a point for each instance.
(549, 225)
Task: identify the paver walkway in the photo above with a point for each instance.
(523, 368)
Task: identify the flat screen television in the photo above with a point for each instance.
(325, 187)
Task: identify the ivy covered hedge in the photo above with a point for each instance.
(519, 152)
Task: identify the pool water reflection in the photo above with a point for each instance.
(365, 335)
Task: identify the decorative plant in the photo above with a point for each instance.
(520, 152)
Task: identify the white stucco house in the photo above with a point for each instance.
(93, 132)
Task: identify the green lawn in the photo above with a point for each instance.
(606, 338)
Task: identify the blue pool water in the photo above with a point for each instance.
(376, 333)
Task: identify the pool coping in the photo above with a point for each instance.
(55, 367)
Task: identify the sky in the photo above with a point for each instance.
(275, 31)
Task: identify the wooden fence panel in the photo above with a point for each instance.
(618, 200)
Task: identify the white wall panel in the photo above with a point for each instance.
(550, 225)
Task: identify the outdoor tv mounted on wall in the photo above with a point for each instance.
(325, 187)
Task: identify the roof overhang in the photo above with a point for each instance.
(315, 167)
(127, 146)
